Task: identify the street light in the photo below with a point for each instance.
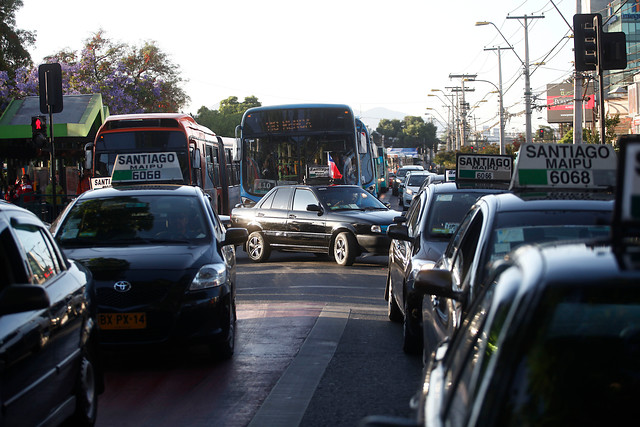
(525, 64)
(451, 123)
(501, 113)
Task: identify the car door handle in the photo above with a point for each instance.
(292, 216)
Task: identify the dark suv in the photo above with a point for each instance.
(50, 371)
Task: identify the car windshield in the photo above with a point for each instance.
(131, 220)
(349, 198)
(513, 229)
(417, 180)
(447, 210)
(581, 352)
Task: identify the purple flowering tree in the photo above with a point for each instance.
(131, 79)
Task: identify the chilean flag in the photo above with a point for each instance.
(335, 172)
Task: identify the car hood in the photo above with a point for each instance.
(108, 260)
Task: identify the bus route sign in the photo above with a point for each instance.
(565, 166)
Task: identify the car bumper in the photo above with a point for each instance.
(374, 243)
(201, 317)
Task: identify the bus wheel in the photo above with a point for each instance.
(257, 248)
(344, 249)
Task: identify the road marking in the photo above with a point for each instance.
(286, 404)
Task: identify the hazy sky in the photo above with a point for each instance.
(365, 53)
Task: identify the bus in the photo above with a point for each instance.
(367, 159)
(200, 152)
(298, 143)
(232, 160)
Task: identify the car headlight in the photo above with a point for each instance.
(409, 191)
(209, 276)
(379, 229)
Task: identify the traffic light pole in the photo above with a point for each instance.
(597, 23)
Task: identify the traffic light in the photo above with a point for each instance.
(593, 47)
(585, 40)
(39, 130)
(541, 133)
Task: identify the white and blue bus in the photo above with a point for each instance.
(368, 156)
(299, 143)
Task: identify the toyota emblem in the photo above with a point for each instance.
(122, 286)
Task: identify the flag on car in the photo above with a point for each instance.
(335, 172)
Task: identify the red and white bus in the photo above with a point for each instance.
(200, 152)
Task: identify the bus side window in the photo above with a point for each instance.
(212, 162)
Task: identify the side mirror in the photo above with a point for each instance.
(195, 158)
(88, 155)
(235, 236)
(400, 219)
(437, 282)
(21, 298)
(399, 232)
(315, 208)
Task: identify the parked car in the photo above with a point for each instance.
(51, 371)
(163, 263)
(343, 221)
(400, 174)
(412, 183)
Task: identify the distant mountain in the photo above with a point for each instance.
(373, 116)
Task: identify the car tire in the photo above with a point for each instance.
(411, 332)
(257, 248)
(224, 349)
(86, 411)
(344, 249)
(393, 310)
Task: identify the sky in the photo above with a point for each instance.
(369, 54)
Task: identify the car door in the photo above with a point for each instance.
(39, 349)
(273, 217)
(306, 228)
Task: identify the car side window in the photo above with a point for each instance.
(268, 200)
(11, 263)
(43, 264)
(303, 197)
(413, 215)
(466, 251)
(463, 357)
(281, 199)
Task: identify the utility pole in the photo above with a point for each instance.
(462, 77)
(527, 82)
(501, 105)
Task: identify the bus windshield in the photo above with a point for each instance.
(109, 145)
(283, 145)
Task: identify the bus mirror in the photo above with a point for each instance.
(237, 131)
(195, 158)
(88, 155)
(362, 143)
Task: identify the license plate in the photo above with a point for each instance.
(122, 320)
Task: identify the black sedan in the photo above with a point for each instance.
(164, 265)
(552, 339)
(433, 217)
(48, 349)
(343, 221)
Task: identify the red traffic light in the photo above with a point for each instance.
(38, 124)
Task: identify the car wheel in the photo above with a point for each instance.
(411, 331)
(257, 248)
(393, 311)
(344, 249)
(86, 394)
(225, 348)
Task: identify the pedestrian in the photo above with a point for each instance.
(24, 190)
(10, 195)
(85, 182)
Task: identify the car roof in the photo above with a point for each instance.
(451, 187)
(508, 201)
(167, 189)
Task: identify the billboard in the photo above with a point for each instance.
(560, 103)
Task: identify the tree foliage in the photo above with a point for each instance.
(229, 115)
(411, 132)
(13, 41)
(131, 79)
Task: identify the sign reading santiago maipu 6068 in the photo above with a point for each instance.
(570, 166)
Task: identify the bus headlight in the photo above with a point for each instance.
(209, 276)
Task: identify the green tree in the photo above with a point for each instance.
(13, 41)
(411, 132)
(229, 115)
